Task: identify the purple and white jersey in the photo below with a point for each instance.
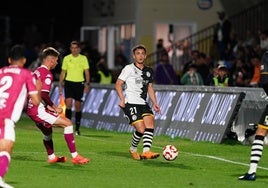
(15, 83)
(137, 82)
(46, 78)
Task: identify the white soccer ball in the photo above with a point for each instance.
(170, 152)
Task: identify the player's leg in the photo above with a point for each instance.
(136, 137)
(68, 110)
(78, 95)
(78, 116)
(148, 138)
(138, 124)
(68, 93)
(66, 124)
(257, 147)
(7, 139)
(255, 155)
(46, 129)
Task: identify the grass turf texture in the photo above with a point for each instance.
(199, 164)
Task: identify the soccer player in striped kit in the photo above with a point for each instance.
(138, 80)
(262, 130)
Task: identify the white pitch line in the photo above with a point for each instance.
(217, 158)
(222, 159)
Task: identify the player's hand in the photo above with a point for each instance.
(86, 89)
(59, 110)
(157, 108)
(122, 104)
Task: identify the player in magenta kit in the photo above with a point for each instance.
(15, 83)
(46, 113)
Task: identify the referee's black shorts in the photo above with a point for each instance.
(74, 90)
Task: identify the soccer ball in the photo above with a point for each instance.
(170, 152)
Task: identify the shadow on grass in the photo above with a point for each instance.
(116, 153)
(24, 158)
(149, 162)
(165, 164)
(71, 167)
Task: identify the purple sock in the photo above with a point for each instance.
(4, 163)
(49, 146)
(69, 138)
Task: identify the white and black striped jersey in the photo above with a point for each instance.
(136, 83)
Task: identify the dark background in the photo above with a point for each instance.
(46, 21)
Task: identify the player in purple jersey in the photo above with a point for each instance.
(138, 79)
(16, 83)
(47, 113)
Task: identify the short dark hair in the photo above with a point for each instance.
(75, 42)
(49, 51)
(139, 46)
(16, 52)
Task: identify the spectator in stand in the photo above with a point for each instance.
(164, 72)
(192, 77)
(241, 74)
(222, 33)
(222, 79)
(250, 39)
(256, 63)
(104, 75)
(202, 67)
(193, 59)
(263, 36)
(160, 49)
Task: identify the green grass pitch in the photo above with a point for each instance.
(199, 164)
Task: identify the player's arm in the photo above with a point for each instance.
(152, 96)
(87, 80)
(61, 80)
(35, 98)
(119, 89)
(50, 105)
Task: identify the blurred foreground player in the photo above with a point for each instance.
(15, 83)
(262, 130)
(47, 114)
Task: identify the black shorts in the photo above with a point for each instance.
(263, 123)
(136, 112)
(74, 90)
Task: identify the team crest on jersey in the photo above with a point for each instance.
(266, 120)
(48, 81)
(134, 117)
(148, 74)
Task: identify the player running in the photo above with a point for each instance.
(47, 114)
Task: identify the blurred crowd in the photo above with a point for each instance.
(238, 65)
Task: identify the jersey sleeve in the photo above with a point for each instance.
(85, 63)
(31, 83)
(124, 73)
(64, 63)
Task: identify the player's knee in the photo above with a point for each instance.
(68, 130)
